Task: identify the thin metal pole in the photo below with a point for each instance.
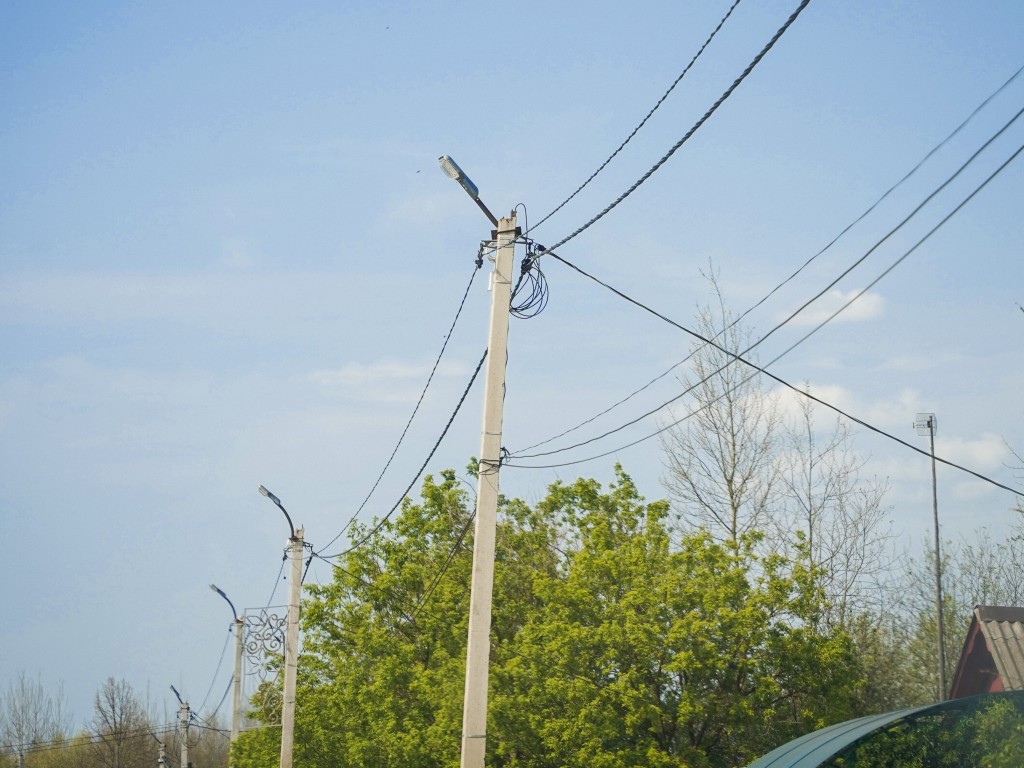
(474, 712)
(291, 650)
(941, 641)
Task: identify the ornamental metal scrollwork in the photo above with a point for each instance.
(264, 642)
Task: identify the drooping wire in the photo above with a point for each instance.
(477, 264)
(532, 285)
(380, 523)
(445, 566)
(644, 121)
(756, 369)
(686, 137)
(220, 661)
(220, 703)
(802, 267)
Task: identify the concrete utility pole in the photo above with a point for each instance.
(296, 544)
(474, 713)
(478, 649)
(162, 759)
(236, 697)
(184, 716)
(291, 651)
(926, 424)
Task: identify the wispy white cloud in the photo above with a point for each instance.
(381, 373)
(869, 306)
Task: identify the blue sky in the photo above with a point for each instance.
(228, 257)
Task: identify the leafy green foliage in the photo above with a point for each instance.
(616, 641)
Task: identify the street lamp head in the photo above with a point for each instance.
(231, 605)
(262, 489)
(452, 171)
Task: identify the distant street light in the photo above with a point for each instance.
(291, 643)
(452, 170)
(926, 424)
(236, 698)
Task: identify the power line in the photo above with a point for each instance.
(415, 410)
(974, 156)
(220, 661)
(759, 369)
(800, 269)
(380, 524)
(714, 107)
(646, 117)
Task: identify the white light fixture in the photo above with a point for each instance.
(452, 171)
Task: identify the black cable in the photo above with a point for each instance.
(532, 280)
(714, 107)
(416, 409)
(759, 369)
(383, 520)
(223, 651)
(800, 269)
(753, 346)
(82, 740)
(644, 121)
(277, 581)
(444, 568)
(222, 700)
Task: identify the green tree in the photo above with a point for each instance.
(613, 643)
(648, 653)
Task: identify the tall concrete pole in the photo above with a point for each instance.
(474, 711)
(291, 650)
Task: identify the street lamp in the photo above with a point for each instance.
(452, 171)
(236, 699)
(291, 644)
(926, 424)
(478, 644)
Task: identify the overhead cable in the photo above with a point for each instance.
(646, 117)
(416, 409)
(763, 370)
(819, 294)
(714, 107)
(380, 523)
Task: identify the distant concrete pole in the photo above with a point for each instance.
(291, 650)
(474, 712)
(938, 569)
(927, 421)
(184, 716)
(236, 696)
(291, 642)
(162, 759)
(236, 700)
